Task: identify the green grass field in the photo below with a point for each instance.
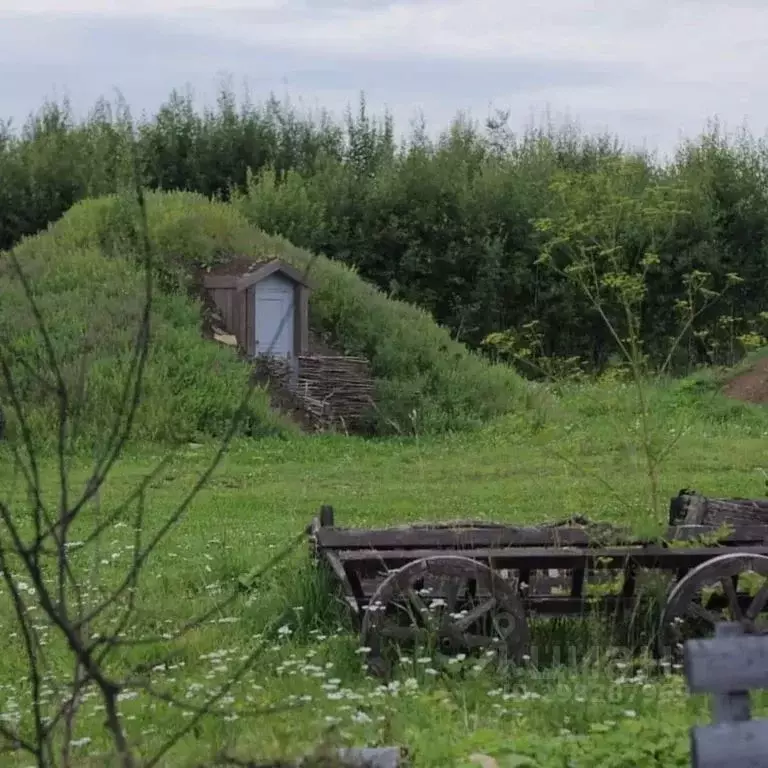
(574, 452)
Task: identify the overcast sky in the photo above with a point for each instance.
(650, 71)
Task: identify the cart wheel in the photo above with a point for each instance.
(444, 605)
(730, 587)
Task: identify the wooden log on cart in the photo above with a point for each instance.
(691, 508)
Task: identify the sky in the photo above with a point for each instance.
(651, 72)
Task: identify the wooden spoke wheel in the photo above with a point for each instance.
(443, 606)
(730, 587)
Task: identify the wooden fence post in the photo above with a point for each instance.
(729, 666)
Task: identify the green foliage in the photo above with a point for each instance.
(92, 307)
(460, 230)
(447, 225)
(605, 237)
(526, 349)
(426, 382)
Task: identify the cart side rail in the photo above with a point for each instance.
(469, 536)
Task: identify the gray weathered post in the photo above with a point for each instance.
(729, 666)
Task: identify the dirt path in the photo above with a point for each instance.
(752, 386)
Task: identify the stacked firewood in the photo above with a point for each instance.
(274, 370)
(336, 391)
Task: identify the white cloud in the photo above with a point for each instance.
(658, 66)
(666, 38)
(133, 7)
(676, 38)
(691, 58)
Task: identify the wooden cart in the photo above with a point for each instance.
(469, 587)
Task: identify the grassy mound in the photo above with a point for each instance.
(92, 308)
(426, 382)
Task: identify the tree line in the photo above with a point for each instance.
(457, 224)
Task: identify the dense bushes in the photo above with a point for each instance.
(449, 225)
(459, 231)
(426, 381)
(56, 161)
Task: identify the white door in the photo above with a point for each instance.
(273, 313)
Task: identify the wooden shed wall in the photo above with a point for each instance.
(229, 302)
(301, 322)
(237, 312)
(249, 320)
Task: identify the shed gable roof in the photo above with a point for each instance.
(270, 268)
(255, 274)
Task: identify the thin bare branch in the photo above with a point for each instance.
(206, 710)
(33, 474)
(69, 711)
(80, 684)
(132, 390)
(88, 650)
(16, 742)
(119, 511)
(31, 647)
(53, 362)
(176, 516)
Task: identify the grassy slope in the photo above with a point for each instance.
(551, 462)
(91, 302)
(426, 381)
(90, 293)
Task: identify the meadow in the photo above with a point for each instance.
(574, 450)
(523, 302)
